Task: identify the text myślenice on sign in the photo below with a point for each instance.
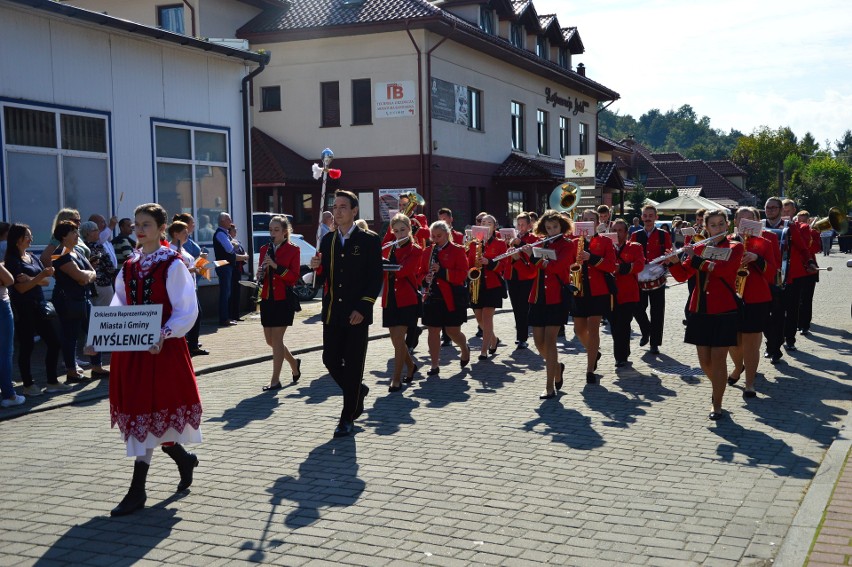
(130, 327)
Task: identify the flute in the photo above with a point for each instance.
(395, 242)
(516, 250)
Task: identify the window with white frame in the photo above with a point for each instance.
(515, 202)
(517, 126)
(584, 139)
(541, 119)
(564, 136)
(54, 159)
(193, 173)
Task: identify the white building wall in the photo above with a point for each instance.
(53, 61)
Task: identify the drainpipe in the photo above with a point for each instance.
(431, 200)
(249, 190)
(419, 104)
(192, 17)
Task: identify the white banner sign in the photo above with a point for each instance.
(394, 100)
(130, 327)
(580, 169)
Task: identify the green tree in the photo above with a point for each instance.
(761, 154)
(843, 147)
(636, 199)
(824, 182)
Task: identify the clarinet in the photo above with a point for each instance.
(427, 282)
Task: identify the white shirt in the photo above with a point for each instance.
(105, 238)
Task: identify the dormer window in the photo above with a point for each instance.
(564, 58)
(486, 20)
(516, 36)
(541, 47)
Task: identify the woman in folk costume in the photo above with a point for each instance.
(713, 305)
(153, 395)
(492, 287)
(401, 296)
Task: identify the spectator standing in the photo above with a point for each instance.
(326, 226)
(826, 236)
(101, 261)
(191, 247)
(123, 244)
(635, 227)
(236, 275)
(27, 300)
(224, 250)
(72, 215)
(7, 329)
(105, 234)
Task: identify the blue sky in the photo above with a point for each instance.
(743, 63)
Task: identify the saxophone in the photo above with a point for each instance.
(475, 274)
(577, 269)
(742, 272)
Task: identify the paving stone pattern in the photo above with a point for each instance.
(468, 468)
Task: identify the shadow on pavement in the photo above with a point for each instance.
(125, 541)
(317, 390)
(566, 426)
(441, 392)
(620, 410)
(650, 386)
(256, 408)
(328, 478)
(761, 450)
(391, 411)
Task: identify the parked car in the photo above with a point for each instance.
(304, 287)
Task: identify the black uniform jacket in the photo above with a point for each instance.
(352, 275)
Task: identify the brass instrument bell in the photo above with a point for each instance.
(414, 200)
(835, 220)
(565, 196)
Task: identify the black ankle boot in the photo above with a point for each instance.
(185, 462)
(135, 497)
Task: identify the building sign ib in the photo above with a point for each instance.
(395, 100)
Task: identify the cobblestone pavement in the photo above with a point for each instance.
(463, 469)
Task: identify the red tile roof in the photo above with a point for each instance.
(668, 156)
(726, 168)
(517, 165)
(274, 163)
(699, 173)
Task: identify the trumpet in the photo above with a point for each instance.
(513, 251)
(577, 270)
(475, 273)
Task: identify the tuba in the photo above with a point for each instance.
(835, 220)
(565, 197)
(414, 200)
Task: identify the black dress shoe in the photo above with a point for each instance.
(494, 350)
(716, 415)
(591, 378)
(558, 384)
(359, 409)
(749, 394)
(272, 387)
(654, 350)
(620, 363)
(547, 396)
(766, 354)
(344, 429)
(410, 377)
(393, 389)
(227, 323)
(790, 348)
(298, 373)
(198, 352)
(521, 345)
(434, 371)
(465, 361)
(481, 357)
(775, 358)
(644, 340)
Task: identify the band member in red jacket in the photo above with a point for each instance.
(548, 297)
(795, 244)
(630, 260)
(446, 215)
(808, 282)
(594, 299)
(445, 297)
(279, 271)
(519, 274)
(655, 242)
(401, 296)
(492, 288)
(713, 322)
(759, 259)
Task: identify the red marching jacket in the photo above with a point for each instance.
(549, 279)
(630, 261)
(521, 269)
(492, 271)
(714, 290)
(653, 248)
(775, 246)
(761, 272)
(453, 270)
(405, 283)
(286, 275)
(601, 262)
(799, 239)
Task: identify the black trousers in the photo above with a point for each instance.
(654, 326)
(28, 324)
(192, 334)
(806, 304)
(236, 293)
(344, 352)
(774, 332)
(620, 319)
(519, 295)
(791, 299)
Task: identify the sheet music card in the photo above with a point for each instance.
(713, 253)
(688, 231)
(746, 227)
(546, 253)
(480, 232)
(508, 234)
(584, 228)
(612, 236)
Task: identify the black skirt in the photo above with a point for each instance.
(276, 313)
(436, 314)
(755, 316)
(542, 315)
(489, 297)
(591, 306)
(718, 330)
(400, 316)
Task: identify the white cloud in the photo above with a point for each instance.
(742, 63)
